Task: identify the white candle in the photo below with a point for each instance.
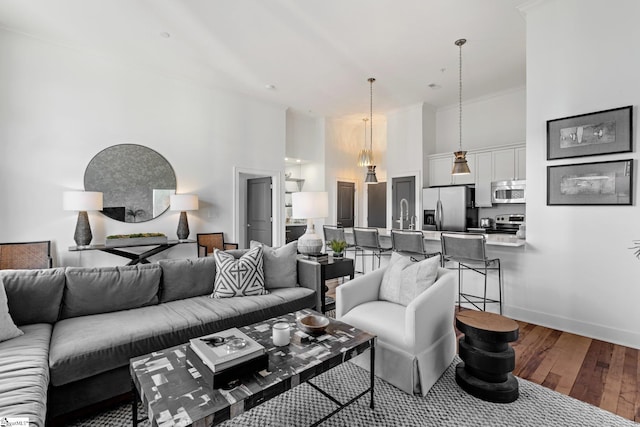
(280, 334)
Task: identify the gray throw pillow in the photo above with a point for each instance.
(238, 277)
(280, 265)
(404, 279)
(8, 329)
(186, 278)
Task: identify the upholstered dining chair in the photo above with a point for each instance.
(207, 242)
(368, 239)
(410, 242)
(25, 255)
(417, 342)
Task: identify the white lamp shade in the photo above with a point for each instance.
(183, 202)
(82, 201)
(310, 204)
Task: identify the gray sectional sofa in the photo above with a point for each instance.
(82, 325)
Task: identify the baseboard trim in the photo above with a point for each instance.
(623, 337)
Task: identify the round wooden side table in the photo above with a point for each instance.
(488, 359)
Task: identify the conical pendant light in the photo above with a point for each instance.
(460, 166)
(371, 168)
(365, 157)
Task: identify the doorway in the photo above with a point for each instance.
(403, 197)
(345, 206)
(377, 205)
(259, 209)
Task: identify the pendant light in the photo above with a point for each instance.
(365, 158)
(460, 166)
(371, 168)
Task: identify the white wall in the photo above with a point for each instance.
(59, 107)
(497, 119)
(580, 274)
(344, 138)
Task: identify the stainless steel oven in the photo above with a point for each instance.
(508, 191)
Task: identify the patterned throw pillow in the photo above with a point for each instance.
(239, 277)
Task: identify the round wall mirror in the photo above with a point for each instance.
(136, 182)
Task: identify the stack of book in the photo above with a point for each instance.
(219, 361)
(320, 257)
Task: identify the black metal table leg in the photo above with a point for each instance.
(373, 368)
(134, 405)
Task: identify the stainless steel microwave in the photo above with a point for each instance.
(508, 191)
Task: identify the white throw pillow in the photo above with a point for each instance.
(404, 279)
(8, 329)
(239, 277)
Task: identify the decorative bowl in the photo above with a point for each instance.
(313, 324)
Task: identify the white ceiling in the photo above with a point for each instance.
(317, 53)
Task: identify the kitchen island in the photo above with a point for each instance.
(508, 248)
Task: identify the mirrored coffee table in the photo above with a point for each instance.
(174, 393)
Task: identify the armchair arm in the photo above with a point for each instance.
(430, 315)
(228, 246)
(358, 291)
(309, 277)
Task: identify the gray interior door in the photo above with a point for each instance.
(346, 204)
(377, 205)
(403, 188)
(259, 210)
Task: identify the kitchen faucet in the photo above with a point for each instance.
(404, 212)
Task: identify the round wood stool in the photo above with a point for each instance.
(488, 359)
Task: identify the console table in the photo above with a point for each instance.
(136, 258)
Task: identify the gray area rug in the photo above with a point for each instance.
(445, 405)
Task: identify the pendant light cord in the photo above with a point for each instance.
(460, 43)
(371, 80)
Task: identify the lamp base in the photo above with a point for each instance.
(310, 242)
(183, 227)
(82, 235)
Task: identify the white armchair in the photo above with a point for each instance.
(415, 343)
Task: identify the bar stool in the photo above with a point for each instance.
(468, 250)
(334, 232)
(368, 239)
(410, 242)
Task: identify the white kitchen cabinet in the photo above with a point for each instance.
(490, 164)
(440, 170)
(521, 163)
(484, 176)
(504, 164)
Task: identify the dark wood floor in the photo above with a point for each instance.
(597, 372)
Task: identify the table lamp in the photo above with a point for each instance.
(183, 203)
(82, 201)
(309, 205)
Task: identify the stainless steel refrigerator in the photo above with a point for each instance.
(450, 208)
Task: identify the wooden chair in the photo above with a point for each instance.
(207, 242)
(25, 255)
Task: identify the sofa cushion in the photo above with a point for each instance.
(8, 329)
(236, 277)
(404, 279)
(24, 374)
(186, 278)
(41, 288)
(107, 289)
(85, 346)
(280, 265)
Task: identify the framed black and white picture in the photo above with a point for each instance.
(602, 132)
(601, 183)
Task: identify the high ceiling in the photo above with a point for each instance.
(317, 54)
